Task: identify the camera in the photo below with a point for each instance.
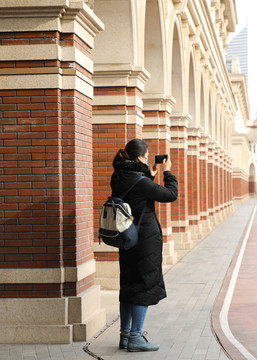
(159, 158)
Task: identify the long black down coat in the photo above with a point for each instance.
(141, 279)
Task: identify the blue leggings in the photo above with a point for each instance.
(132, 318)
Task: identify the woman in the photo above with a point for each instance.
(141, 279)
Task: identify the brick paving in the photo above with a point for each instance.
(181, 323)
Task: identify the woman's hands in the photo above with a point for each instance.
(166, 166)
(153, 169)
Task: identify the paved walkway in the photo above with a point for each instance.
(182, 323)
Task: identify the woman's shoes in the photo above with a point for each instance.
(123, 341)
(140, 343)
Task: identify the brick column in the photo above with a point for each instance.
(204, 184)
(117, 118)
(228, 199)
(179, 211)
(217, 185)
(47, 265)
(211, 185)
(193, 173)
(222, 183)
(156, 133)
(230, 182)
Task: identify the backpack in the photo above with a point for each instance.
(117, 227)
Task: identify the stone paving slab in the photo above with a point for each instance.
(181, 323)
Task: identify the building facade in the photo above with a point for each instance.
(78, 79)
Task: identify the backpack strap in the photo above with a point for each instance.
(127, 191)
(131, 187)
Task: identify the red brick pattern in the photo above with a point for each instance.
(179, 210)
(240, 188)
(107, 140)
(30, 290)
(30, 178)
(46, 174)
(203, 182)
(216, 181)
(221, 201)
(193, 168)
(211, 203)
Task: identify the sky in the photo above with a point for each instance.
(246, 13)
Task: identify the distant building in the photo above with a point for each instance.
(238, 47)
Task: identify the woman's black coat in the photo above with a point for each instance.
(141, 279)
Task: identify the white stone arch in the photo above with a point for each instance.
(203, 106)
(228, 135)
(222, 126)
(192, 91)
(177, 65)
(154, 47)
(252, 178)
(212, 110)
(226, 131)
(116, 44)
(216, 122)
(210, 115)
(252, 169)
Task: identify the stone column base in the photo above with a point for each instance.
(108, 274)
(196, 232)
(230, 208)
(182, 240)
(170, 256)
(36, 334)
(218, 218)
(206, 226)
(51, 320)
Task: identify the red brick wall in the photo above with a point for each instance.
(240, 188)
(193, 168)
(179, 209)
(31, 171)
(203, 181)
(46, 173)
(107, 140)
(217, 183)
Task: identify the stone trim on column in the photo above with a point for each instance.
(204, 183)
(211, 184)
(178, 150)
(217, 187)
(193, 156)
(229, 208)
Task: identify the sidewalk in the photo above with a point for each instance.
(181, 323)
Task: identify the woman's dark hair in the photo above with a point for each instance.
(133, 149)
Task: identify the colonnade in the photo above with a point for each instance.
(78, 79)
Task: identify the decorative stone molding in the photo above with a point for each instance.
(120, 75)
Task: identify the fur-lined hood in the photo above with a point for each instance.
(126, 173)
